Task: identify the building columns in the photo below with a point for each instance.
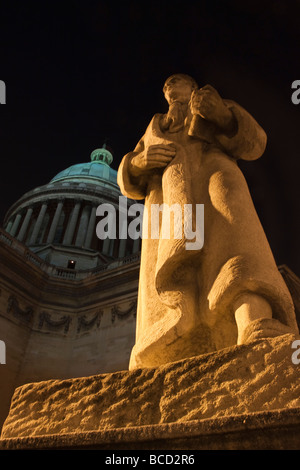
(122, 247)
(123, 239)
(136, 246)
(9, 226)
(25, 224)
(72, 224)
(81, 232)
(15, 225)
(55, 221)
(91, 228)
(38, 224)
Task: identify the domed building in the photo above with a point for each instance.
(57, 221)
(67, 298)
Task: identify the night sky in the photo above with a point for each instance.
(84, 72)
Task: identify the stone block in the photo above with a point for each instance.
(266, 430)
(229, 384)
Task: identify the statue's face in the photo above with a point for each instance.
(177, 88)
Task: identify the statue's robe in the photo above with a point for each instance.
(185, 297)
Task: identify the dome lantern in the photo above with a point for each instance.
(102, 155)
(97, 170)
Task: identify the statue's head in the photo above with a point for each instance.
(179, 87)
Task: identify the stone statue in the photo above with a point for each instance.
(229, 291)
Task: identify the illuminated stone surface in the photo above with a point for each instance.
(267, 430)
(235, 381)
(197, 301)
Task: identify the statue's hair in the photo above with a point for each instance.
(186, 77)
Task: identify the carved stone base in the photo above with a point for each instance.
(237, 397)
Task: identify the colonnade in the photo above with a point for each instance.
(78, 231)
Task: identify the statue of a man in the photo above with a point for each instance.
(228, 291)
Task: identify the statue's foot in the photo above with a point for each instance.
(264, 328)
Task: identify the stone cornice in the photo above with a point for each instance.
(59, 191)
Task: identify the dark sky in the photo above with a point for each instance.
(93, 71)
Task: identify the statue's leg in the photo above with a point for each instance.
(253, 315)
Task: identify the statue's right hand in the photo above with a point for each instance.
(155, 156)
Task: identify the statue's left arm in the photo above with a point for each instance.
(247, 140)
(234, 129)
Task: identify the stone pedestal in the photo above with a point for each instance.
(242, 397)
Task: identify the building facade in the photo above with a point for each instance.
(67, 298)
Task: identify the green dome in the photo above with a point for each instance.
(97, 169)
